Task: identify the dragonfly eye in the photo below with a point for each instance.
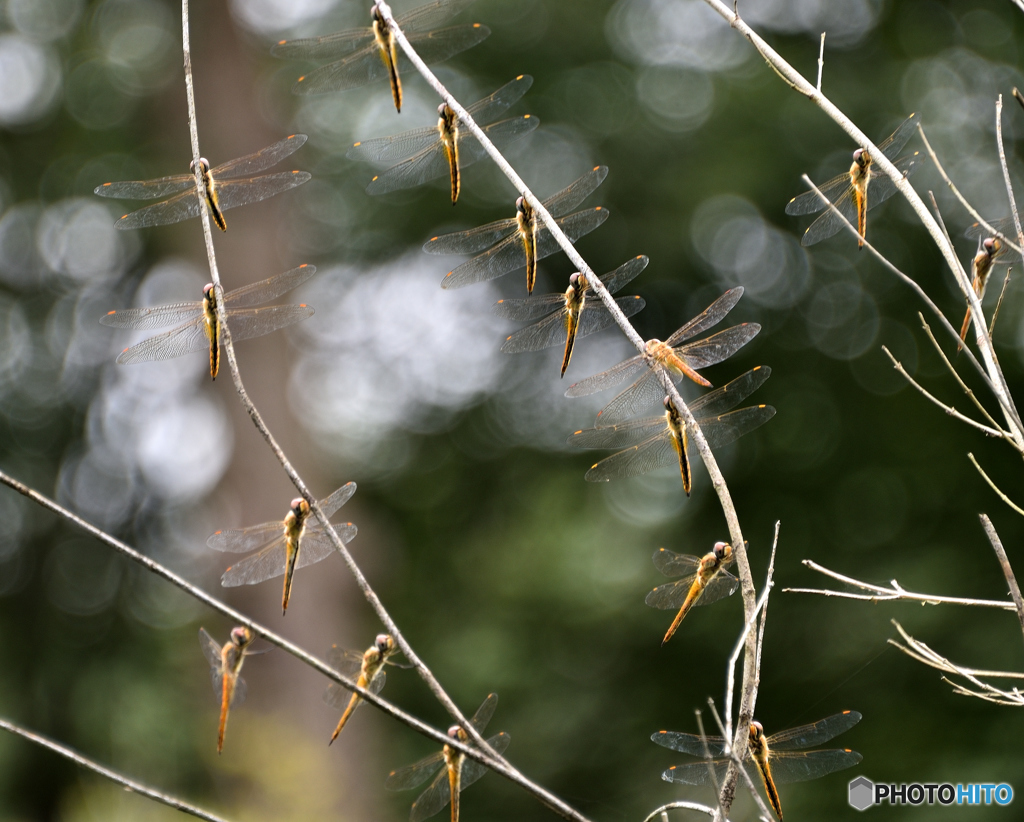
(384, 643)
(857, 155)
(667, 402)
(991, 245)
(299, 507)
(208, 290)
(441, 108)
(723, 550)
(241, 635)
(756, 730)
(574, 279)
(521, 205)
(455, 732)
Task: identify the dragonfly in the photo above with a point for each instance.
(521, 240)
(990, 250)
(365, 55)
(199, 327)
(678, 357)
(659, 441)
(849, 192)
(455, 773)
(1005, 230)
(369, 664)
(571, 315)
(418, 156)
(775, 759)
(225, 664)
(703, 580)
(228, 185)
(283, 546)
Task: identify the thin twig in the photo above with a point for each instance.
(1006, 171)
(680, 805)
(1004, 564)
(744, 773)
(999, 302)
(994, 487)
(129, 785)
(894, 593)
(764, 612)
(707, 755)
(821, 60)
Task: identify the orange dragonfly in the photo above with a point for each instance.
(850, 192)
(369, 664)
(456, 772)
(201, 328)
(283, 546)
(567, 317)
(227, 186)
(660, 441)
(679, 358)
(225, 663)
(703, 580)
(523, 239)
(365, 55)
(774, 759)
(418, 156)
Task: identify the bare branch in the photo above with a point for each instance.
(708, 757)
(821, 60)
(126, 783)
(994, 487)
(1006, 171)
(999, 302)
(894, 593)
(680, 805)
(1004, 564)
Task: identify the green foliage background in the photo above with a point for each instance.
(507, 570)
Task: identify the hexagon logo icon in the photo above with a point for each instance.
(862, 793)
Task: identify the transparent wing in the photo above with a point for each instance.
(185, 339)
(211, 650)
(437, 46)
(246, 323)
(698, 773)
(473, 770)
(616, 436)
(645, 392)
(836, 189)
(487, 109)
(147, 189)
(689, 744)
(731, 394)
(261, 566)
(723, 585)
(880, 188)
(817, 733)
(403, 779)
(241, 689)
(893, 144)
(430, 15)
(260, 160)
(317, 546)
(606, 379)
(709, 317)
(427, 165)
(436, 796)
(384, 151)
(576, 192)
(158, 317)
(530, 308)
(1004, 225)
(234, 193)
(338, 697)
(330, 505)
(802, 767)
(484, 712)
(345, 661)
(327, 47)
(472, 240)
(501, 134)
(182, 206)
(722, 430)
(672, 564)
(551, 331)
(266, 290)
(243, 540)
(595, 316)
(718, 347)
(510, 254)
(655, 452)
(624, 274)
(671, 595)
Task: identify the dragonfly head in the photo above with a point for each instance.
(385, 644)
(241, 636)
(375, 13)
(204, 164)
(667, 402)
(208, 292)
(861, 158)
(723, 551)
(756, 732)
(456, 732)
(991, 245)
(577, 282)
(299, 507)
(521, 205)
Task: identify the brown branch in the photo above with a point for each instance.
(1004, 564)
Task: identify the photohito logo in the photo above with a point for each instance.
(864, 793)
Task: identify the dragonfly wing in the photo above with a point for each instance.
(506, 256)
(246, 323)
(330, 505)
(234, 193)
(698, 773)
(672, 564)
(625, 273)
(423, 167)
(403, 779)
(574, 226)
(655, 452)
(1004, 225)
(146, 318)
(893, 144)
(616, 436)
(328, 47)
(802, 767)
(211, 650)
(484, 712)
(722, 585)
(269, 289)
(594, 317)
(386, 151)
(436, 796)
(345, 660)
(146, 189)
(548, 332)
(426, 17)
(606, 379)
(260, 160)
(718, 347)
(881, 187)
(529, 309)
(576, 192)
(810, 203)
(313, 548)
(471, 241)
(643, 393)
(501, 134)
(671, 595)
(184, 339)
(243, 540)
(817, 733)
(731, 394)
(437, 46)
(727, 428)
(241, 689)
(709, 317)
(473, 770)
(356, 69)
(689, 743)
(267, 564)
(182, 206)
(830, 223)
(487, 109)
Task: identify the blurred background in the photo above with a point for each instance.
(508, 571)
